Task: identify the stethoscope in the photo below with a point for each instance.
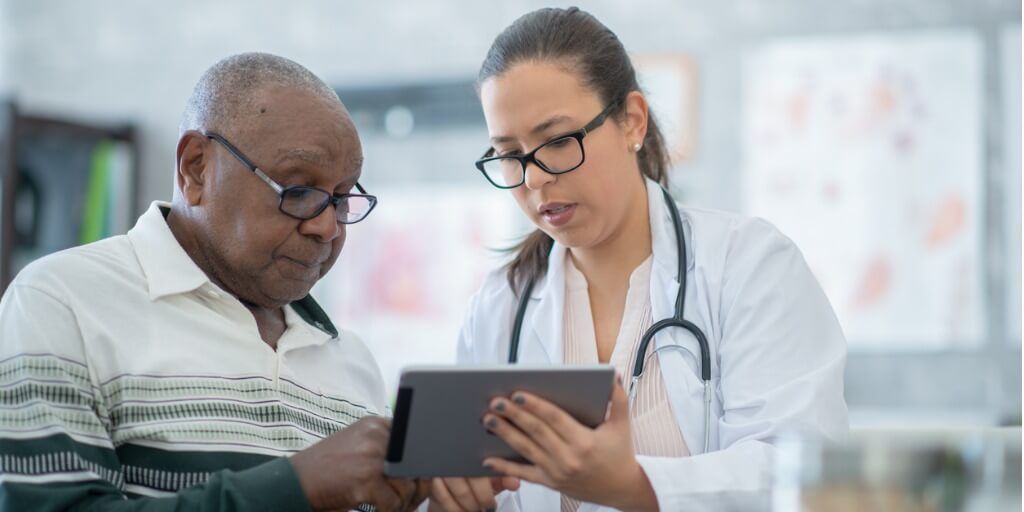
(676, 320)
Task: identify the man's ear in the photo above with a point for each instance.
(193, 158)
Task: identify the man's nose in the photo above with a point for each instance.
(324, 226)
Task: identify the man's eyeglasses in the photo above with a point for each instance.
(556, 156)
(305, 203)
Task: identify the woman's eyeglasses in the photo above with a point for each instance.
(556, 156)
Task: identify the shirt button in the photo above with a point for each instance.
(212, 294)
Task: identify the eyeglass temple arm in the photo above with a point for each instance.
(600, 118)
(245, 161)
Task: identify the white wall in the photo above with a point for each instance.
(137, 61)
(108, 59)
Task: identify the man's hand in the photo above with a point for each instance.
(347, 469)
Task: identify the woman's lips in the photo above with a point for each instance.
(557, 214)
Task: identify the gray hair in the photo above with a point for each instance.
(225, 90)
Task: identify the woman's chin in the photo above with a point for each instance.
(573, 239)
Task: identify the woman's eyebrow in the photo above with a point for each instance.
(540, 128)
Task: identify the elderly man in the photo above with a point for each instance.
(179, 366)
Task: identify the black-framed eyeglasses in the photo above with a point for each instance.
(559, 155)
(303, 202)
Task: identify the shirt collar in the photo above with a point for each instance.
(169, 270)
(314, 315)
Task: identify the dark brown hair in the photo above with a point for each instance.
(575, 39)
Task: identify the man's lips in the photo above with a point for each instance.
(307, 263)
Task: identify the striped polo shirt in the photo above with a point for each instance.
(126, 374)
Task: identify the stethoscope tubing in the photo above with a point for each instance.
(676, 320)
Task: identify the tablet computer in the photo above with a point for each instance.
(437, 428)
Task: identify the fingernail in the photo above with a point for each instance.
(519, 399)
(499, 405)
(491, 423)
(487, 465)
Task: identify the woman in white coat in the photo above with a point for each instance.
(573, 141)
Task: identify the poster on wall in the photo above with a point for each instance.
(406, 275)
(669, 82)
(867, 152)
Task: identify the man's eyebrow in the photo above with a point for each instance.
(540, 128)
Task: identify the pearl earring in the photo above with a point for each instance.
(637, 146)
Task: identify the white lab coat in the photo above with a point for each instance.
(777, 355)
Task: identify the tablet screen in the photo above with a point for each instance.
(437, 429)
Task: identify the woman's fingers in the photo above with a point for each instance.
(559, 421)
(483, 492)
(535, 428)
(522, 442)
(471, 493)
(504, 483)
(463, 493)
(518, 471)
(441, 499)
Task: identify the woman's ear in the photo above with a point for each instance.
(193, 157)
(635, 119)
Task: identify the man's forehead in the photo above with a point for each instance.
(318, 157)
(349, 164)
(303, 127)
(309, 155)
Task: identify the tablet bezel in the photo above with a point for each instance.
(437, 428)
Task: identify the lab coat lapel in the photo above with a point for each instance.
(664, 287)
(544, 345)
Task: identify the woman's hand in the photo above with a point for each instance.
(592, 465)
(468, 494)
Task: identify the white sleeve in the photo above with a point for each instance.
(487, 323)
(465, 352)
(781, 359)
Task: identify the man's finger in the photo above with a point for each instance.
(405, 489)
(422, 492)
(385, 498)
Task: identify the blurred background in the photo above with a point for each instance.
(883, 136)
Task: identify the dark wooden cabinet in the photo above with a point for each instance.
(64, 183)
